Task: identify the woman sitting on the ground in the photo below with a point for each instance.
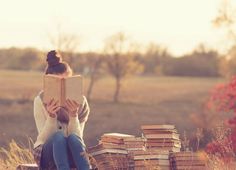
(60, 143)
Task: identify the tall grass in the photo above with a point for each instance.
(13, 156)
(224, 158)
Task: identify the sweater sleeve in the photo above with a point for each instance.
(83, 113)
(46, 125)
(76, 125)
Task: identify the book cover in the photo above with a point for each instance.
(159, 156)
(109, 151)
(162, 136)
(158, 127)
(118, 135)
(62, 88)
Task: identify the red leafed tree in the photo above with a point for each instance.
(223, 99)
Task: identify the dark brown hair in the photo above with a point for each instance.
(56, 65)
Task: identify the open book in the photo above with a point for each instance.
(63, 88)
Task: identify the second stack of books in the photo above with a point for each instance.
(132, 145)
(187, 160)
(147, 159)
(162, 137)
(111, 153)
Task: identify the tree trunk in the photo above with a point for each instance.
(90, 88)
(93, 77)
(117, 92)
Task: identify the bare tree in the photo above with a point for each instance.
(226, 19)
(95, 65)
(120, 61)
(66, 43)
(153, 58)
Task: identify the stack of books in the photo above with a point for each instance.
(132, 145)
(162, 137)
(158, 148)
(111, 152)
(187, 160)
(147, 159)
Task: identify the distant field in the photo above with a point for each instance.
(144, 100)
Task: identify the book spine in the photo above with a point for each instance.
(82, 90)
(63, 95)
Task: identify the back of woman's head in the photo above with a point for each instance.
(56, 65)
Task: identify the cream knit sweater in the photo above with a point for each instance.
(46, 125)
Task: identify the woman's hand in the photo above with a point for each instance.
(52, 107)
(72, 107)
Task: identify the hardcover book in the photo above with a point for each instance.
(62, 88)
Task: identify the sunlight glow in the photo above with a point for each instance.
(179, 25)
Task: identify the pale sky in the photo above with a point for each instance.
(179, 25)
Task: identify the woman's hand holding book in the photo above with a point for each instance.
(72, 107)
(52, 107)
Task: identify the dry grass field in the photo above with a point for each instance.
(144, 100)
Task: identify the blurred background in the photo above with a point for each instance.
(144, 62)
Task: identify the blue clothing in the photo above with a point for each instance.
(64, 152)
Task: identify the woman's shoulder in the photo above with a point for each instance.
(39, 94)
(38, 97)
(85, 101)
(84, 98)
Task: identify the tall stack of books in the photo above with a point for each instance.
(162, 137)
(147, 160)
(111, 152)
(187, 160)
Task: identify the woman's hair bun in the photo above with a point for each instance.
(53, 58)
